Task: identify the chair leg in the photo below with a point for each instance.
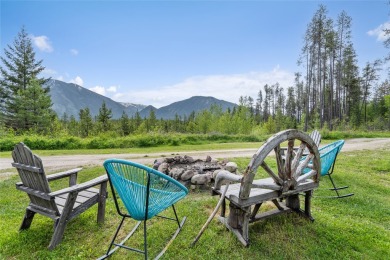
(116, 233)
(28, 218)
(62, 221)
(120, 245)
(145, 242)
(102, 202)
(308, 195)
(145, 252)
(336, 189)
(177, 219)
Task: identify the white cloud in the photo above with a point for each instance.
(77, 80)
(74, 52)
(106, 91)
(225, 87)
(98, 89)
(379, 32)
(112, 89)
(42, 43)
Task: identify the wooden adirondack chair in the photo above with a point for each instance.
(62, 205)
(315, 135)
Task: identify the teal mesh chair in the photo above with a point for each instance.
(328, 155)
(144, 193)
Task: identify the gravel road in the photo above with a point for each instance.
(56, 163)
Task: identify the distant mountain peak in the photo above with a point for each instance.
(187, 106)
(69, 98)
(128, 104)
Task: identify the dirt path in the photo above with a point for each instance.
(55, 163)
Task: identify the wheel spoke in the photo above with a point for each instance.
(289, 155)
(277, 180)
(306, 176)
(297, 158)
(303, 165)
(279, 162)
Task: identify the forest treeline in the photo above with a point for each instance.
(330, 93)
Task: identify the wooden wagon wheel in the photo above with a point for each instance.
(290, 168)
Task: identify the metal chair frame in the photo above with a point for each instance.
(329, 173)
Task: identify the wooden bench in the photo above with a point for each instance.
(283, 187)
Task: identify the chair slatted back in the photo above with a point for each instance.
(144, 191)
(316, 136)
(32, 175)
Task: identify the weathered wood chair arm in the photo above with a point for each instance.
(226, 175)
(40, 194)
(82, 186)
(60, 175)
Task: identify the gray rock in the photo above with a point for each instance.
(176, 173)
(163, 168)
(187, 175)
(200, 179)
(157, 163)
(231, 167)
(188, 159)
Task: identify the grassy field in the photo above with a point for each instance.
(357, 227)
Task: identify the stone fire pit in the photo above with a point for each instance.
(193, 172)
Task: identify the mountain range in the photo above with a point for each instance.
(69, 98)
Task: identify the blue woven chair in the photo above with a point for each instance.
(144, 193)
(328, 155)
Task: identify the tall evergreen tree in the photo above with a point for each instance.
(369, 77)
(104, 116)
(32, 107)
(125, 124)
(152, 120)
(86, 123)
(19, 69)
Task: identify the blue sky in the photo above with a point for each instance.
(159, 52)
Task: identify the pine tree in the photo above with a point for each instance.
(104, 117)
(32, 107)
(19, 69)
(369, 77)
(125, 124)
(86, 123)
(152, 120)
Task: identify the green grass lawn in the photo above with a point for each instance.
(357, 227)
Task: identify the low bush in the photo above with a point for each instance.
(135, 141)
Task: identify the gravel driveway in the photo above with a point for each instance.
(56, 163)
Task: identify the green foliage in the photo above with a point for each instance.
(86, 123)
(335, 135)
(32, 110)
(24, 104)
(104, 141)
(104, 117)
